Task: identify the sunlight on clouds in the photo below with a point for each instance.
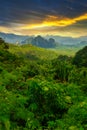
(82, 17)
(55, 21)
(4, 29)
(50, 25)
(9, 30)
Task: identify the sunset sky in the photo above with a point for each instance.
(44, 17)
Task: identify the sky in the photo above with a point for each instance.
(44, 17)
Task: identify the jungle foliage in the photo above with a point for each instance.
(42, 94)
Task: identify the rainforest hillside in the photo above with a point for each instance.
(42, 89)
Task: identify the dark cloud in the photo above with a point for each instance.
(22, 11)
(78, 25)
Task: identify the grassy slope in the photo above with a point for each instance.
(33, 52)
(64, 50)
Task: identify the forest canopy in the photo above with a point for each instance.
(39, 94)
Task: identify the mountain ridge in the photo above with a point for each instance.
(13, 38)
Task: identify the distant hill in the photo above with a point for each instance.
(80, 44)
(67, 40)
(41, 42)
(12, 38)
(83, 43)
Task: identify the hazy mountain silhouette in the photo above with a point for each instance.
(41, 42)
(12, 38)
(46, 41)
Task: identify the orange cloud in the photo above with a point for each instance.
(55, 21)
(9, 30)
(49, 26)
(5, 29)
